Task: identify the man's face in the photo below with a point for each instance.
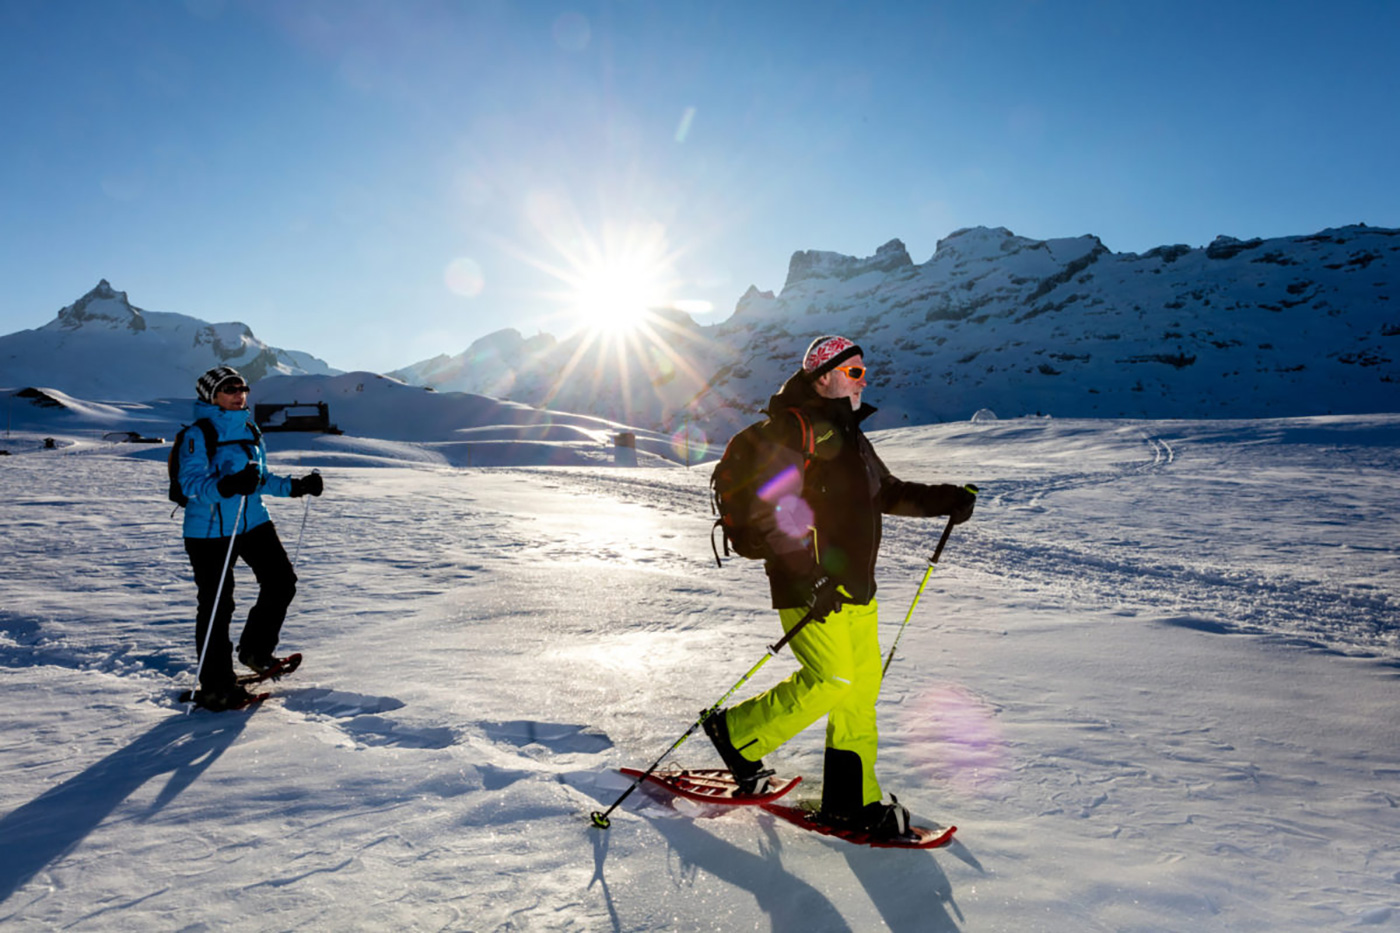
(232, 396)
(839, 382)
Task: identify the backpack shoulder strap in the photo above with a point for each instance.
(809, 434)
(211, 435)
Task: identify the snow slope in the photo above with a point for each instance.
(1152, 681)
(384, 422)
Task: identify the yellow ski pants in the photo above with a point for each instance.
(839, 678)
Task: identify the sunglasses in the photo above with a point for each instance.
(852, 372)
(232, 390)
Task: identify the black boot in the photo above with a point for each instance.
(843, 786)
(885, 820)
(221, 698)
(843, 799)
(749, 775)
(260, 663)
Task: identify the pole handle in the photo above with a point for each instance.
(948, 529)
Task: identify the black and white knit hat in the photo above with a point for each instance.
(208, 385)
(826, 353)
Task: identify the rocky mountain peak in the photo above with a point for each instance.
(103, 307)
(820, 264)
(101, 347)
(974, 243)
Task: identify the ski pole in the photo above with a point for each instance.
(600, 819)
(301, 534)
(937, 553)
(218, 594)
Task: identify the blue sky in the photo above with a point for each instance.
(380, 182)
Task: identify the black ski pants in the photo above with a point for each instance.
(261, 550)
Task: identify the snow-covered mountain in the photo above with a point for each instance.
(1291, 326)
(102, 347)
(1241, 328)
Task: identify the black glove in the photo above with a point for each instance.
(243, 483)
(308, 485)
(967, 499)
(825, 598)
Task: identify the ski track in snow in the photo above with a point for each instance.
(490, 643)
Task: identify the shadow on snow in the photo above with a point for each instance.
(42, 831)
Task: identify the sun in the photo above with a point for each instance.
(617, 295)
(612, 280)
(615, 291)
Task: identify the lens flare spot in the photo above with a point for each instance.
(958, 737)
(690, 444)
(683, 129)
(794, 516)
(786, 484)
(464, 277)
(662, 370)
(834, 560)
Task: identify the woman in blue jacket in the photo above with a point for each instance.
(224, 484)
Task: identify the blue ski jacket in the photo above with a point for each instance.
(208, 514)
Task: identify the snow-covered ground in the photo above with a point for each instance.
(1153, 682)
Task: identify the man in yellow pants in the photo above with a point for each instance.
(822, 536)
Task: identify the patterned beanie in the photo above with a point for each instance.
(208, 385)
(826, 353)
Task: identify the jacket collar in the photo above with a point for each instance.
(797, 392)
(217, 415)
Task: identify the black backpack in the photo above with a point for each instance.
(211, 442)
(749, 462)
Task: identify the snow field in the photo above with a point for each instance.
(1152, 682)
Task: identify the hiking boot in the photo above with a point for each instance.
(261, 663)
(751, 776)
(219, 699)
(881, 820)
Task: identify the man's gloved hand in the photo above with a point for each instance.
(308, 485)
(967, 499)
(825, 598)
(243, 483)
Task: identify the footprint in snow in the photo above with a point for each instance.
(560, 738)
(377, 730)
(340, 704)
(360, 719)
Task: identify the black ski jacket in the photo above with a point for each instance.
(846, 489)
